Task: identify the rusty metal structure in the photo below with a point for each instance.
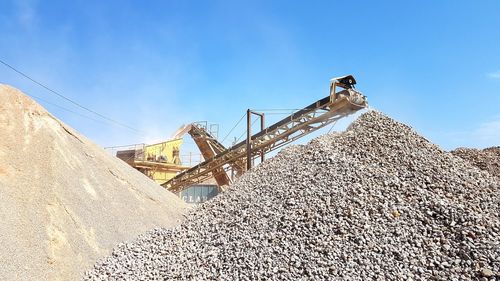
(219, 160)
(210, 147)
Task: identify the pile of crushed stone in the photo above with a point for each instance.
(376, 202)
(487, 159)
(64, 201)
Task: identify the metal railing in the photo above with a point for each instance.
(137, 155)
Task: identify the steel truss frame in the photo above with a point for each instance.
(300, 123)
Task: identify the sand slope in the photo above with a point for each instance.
(64, 201)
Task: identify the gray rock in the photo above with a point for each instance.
(376, 202)
(486, 272)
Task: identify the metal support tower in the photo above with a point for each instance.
(249, 136)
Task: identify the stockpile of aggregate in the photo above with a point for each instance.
(487, 159)
(64, 201)
(376, 202)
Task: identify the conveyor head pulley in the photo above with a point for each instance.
(346, 82)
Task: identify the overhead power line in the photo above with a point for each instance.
(61, 107)
(68, 99)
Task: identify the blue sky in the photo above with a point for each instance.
(155, 65)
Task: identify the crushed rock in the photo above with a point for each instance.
(376, 202)
(487, 159)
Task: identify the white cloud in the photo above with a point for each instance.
(489, 132)
(494, 75)
(484, 135)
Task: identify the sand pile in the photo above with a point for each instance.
(377, 202)
(487, 159)
(64, 201)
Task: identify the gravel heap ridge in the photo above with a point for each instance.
(64, 201)
(487, 159)
(376, 202)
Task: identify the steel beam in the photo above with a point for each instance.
(300, 123)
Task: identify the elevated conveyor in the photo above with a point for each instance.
(309, 119)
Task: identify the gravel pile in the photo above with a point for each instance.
(377, 202)
(64, 201)
(487, 159)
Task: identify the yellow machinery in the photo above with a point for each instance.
(159, 161)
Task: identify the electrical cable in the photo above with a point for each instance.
(278, 113)
(61, 107)
(289, 110)
(234, 127)
(68, 99)
(278, 109)
(246, 131)
(332, 127)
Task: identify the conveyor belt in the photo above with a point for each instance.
(300, 123)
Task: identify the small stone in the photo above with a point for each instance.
(321, 211)
(396, 213)
(486, 272)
